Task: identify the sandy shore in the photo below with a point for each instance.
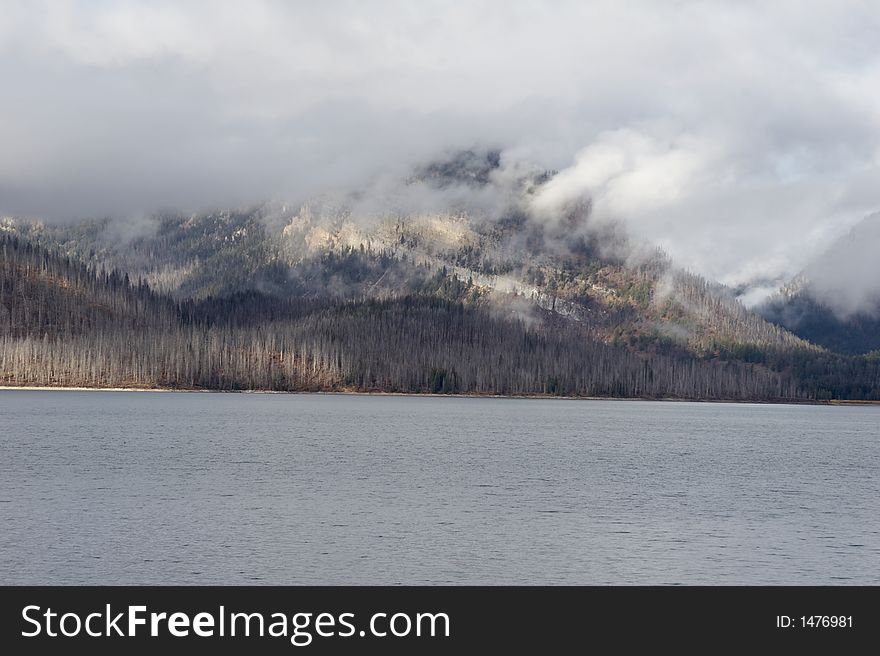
(37, 388)
(56, 388)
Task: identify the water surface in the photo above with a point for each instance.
(128, 488)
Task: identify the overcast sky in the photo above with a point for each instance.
(742, 136)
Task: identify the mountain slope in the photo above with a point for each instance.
(488, 296)
(316, 252)
(835, 301)
(129, 336)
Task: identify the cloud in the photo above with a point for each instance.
(628, 172)
(846, 276)
(741, 136)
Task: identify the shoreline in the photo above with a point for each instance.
(169, 390)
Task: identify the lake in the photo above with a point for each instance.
(198, 488)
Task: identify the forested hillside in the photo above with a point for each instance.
(856, 334)
(835, 301)
(450, 282)
(63, 323)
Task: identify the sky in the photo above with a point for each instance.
(743, 137)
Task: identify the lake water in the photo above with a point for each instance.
(128, 488)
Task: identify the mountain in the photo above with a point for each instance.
(447, 282)
(835, 301)
(62, 323)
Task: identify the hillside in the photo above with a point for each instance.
(453, 285)
(62, 323)
(484, 233)
(127, 335)
(835, 301)
(812, 320)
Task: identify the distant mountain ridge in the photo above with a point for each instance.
(835, 301)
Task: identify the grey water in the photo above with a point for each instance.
(188, 488)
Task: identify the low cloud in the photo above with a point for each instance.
(846, 277)
(743, 137)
